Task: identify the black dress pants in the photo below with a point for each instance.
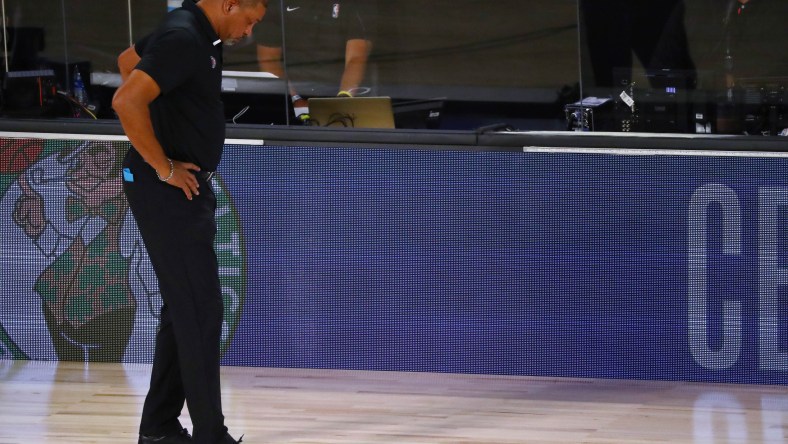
(179, 236)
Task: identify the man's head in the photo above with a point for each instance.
(233, 19)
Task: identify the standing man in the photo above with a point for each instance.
(170, 108)
(325, 51)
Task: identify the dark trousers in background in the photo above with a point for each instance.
(652, 30)
(179, 236)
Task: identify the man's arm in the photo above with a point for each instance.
(356, 56)
(127, 61)
(131, 102)
(269, 58)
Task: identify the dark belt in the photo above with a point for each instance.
(205, 175)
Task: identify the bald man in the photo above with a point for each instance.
(169, 105)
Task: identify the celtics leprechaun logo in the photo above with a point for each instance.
(77, 280)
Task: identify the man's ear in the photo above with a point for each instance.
(229, 5)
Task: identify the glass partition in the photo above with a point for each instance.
(701, 66)
(33, 41)
(60, 55)
(454, 65)
(451, 65)
(507, 62)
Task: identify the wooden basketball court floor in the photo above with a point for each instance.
(68, 402)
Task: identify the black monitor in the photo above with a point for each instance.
(418, 114)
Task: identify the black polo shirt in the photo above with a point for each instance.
(316, 34)
(183, 57)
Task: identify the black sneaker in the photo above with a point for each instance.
(181, 437)
(229, 439)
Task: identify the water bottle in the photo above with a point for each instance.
(80, 94)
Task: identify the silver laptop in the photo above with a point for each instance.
(351, 112)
